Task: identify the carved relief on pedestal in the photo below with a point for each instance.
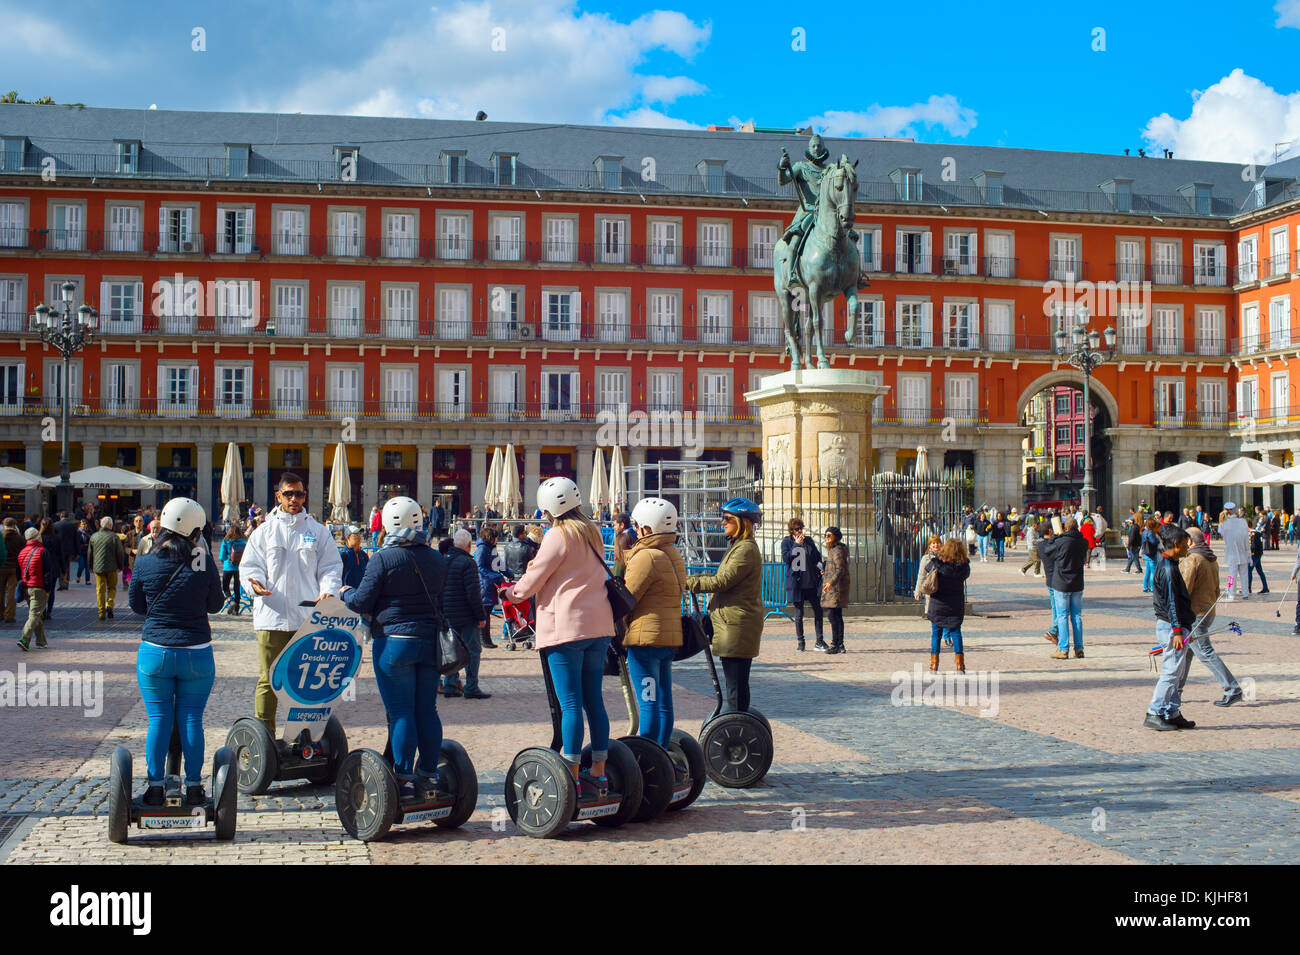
(837, 456)
(778, 459)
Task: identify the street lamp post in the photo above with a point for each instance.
(68, 333)
(1081, 347)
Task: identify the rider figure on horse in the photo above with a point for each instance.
(807, 179)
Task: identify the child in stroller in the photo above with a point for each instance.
(517, 628)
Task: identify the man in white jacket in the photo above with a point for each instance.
(290, 558)
(1236, 548)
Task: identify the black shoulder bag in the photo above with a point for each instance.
(453, 655)
(621, 601)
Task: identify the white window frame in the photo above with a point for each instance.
(506, 236)
(561, 314)
(559, 238)
(400, 404)
(123, 236)
(611, 237)
(338, 401)
(664, 242)
(71, 235)
(612, 314)
(239, 240)
(764, 319)
(714, 240)
(1211, 401)
(663, 316)
(452, 312)
(288, 379)
(455, 235)
(347, 232)
(401, 305)
(714, 322)
(232, 409)
(401, 233)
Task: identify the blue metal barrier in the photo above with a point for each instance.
(774, 581)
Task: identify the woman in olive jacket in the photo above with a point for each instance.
(835, 586)
(736, 609)
(656, 575)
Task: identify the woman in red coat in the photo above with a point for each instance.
(1089, 532)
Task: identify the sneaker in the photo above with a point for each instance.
(1158, 723)
(153, 796)
(800, 647)
(195, 796)
(1265, 591)
(101, 616)
(476, 695)
(450, 691)
(821, 646)
(1180, 721)
(1049, 636)
(1295, 631)
(1229, 698)
(1078, 654)
(23, 644)
(1060, 654)
(110, 613)
(487, 642)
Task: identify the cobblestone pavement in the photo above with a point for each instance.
(1053, 767)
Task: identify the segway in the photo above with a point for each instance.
(218, 810)
(317, 664)
(737, 744)
(542, 797)
(369, 802)
(672, 778)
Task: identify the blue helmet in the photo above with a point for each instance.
(743, 507)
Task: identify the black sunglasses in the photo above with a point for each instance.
(293, 494)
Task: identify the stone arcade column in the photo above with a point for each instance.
(532, 477)
(424, 478)
(586, 457)
(817, 423)
(1267, 458)
(316, 479)
(203, 475)
(369, 477)
(478, 468)
(261, 464)
(148, 466)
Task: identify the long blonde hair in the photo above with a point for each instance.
(578, 527)
(746, 531)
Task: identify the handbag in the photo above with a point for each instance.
(453, 655)
(697, 632)
(20, 590)
(621, 601)
(929, 585)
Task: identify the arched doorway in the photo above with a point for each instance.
(1054, 454)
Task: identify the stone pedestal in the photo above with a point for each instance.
(817, 461)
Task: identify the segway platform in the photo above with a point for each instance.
(367, 796)
(217, 812)
(316, 666)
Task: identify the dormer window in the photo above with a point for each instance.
(1203, 204)
(610, 170)
(347, 159)
(128, 155)
(1120, 192)
(237, 159)
(503, 166)
(14, 153)
(908, 184)
(713, 171)
(1199, 194)
(990, 184)
(453, 166)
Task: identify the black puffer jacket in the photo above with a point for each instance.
(462, 601)
(948, 603)
(1067, 552)
(1169, 584)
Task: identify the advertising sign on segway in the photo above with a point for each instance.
(314, 669)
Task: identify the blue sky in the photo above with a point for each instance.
(1208, 81)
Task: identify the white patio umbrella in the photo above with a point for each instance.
(107, 478)
(340, 489)
(599, 483)
(512, 499)
(1164, 476)
(492, 492)
(922, 460)
(1289, 475)
(617, 489)
(232, 483)
(1241, 471)
(18, 479)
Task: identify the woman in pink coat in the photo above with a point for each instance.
(574, 621)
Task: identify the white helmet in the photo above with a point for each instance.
(657, 514)
(558, 495)
(402, 512)
(182, 515)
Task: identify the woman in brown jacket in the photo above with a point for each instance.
(656, 575)
(835, 585)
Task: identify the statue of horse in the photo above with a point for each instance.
(829, 265)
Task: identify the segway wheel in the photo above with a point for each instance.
(119, 795)
(761, 718)
(225, 794)
(624, 777)
(365, 795)
(657, 776)
(683, 747)
(257, 761)
(737, 749)
(336, 743)
(173, 764)
(457, 776)
(541, 796)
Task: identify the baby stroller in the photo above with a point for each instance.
(517, 628)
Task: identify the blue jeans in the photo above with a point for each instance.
(1204, 651)
(83, 569)
(473, 640)
(1000, 547)
(651, 670)
(576, 670)
(983, 541)
(1167, 698)
(951, 633)
(1068, 609)
(1148, 573)
(174, 684)
(406, 670)
(1251, 569)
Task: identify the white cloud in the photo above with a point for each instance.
(558, 64)
(26, 36)
(1238, 119)
(1288, 13)
(651, 118)
(877, 120)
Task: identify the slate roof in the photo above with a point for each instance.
(192, 144)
